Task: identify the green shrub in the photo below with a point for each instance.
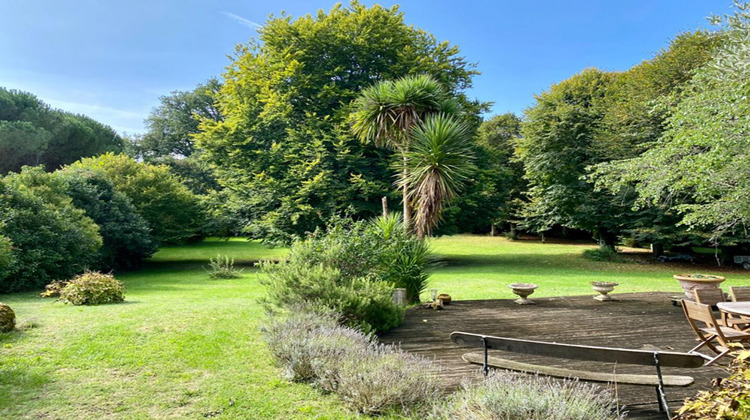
(512, 397)
(7, 318)
(362, 302)
(170, 208)
(310, 345)
(51, 238)
(730, 400)
(602, 254)
(126, 237)
(352, 268)
(93, 288)
(222, 267)
(384, 378)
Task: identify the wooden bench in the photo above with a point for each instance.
(658, 359)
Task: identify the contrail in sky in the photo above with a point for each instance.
(247, 22)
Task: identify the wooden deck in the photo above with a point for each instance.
(635, 321)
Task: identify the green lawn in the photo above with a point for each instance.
(481, 267)
(184, 346)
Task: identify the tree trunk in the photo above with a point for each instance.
(384, 201)
(493, 230)
(607, 239)
(407, 207)
(657, 250)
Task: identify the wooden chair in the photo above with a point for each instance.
(739, 293)
(713, 331)
(710, 296)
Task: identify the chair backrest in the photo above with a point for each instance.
(739, 293)
(700, 312)
(709, 296)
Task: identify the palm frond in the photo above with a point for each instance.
(439, 164)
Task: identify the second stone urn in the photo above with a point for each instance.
(523, 290)
(603, 288)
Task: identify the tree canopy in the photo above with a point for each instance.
(171, 210)
(697, 165)
(284, 148)
(32, 133)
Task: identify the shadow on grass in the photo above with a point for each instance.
(526, 260)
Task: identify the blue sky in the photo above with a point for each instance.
(111, 60)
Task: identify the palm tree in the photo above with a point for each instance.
(386, 112)
(437, 165)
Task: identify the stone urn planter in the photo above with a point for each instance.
(697, 281)
(603, 288)
(523, 290)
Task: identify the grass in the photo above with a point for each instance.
(185, 346)
(482, 267)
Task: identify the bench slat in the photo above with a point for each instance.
(578, 352)
(629, 379)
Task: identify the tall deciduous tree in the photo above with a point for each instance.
(559, 141)
(171, 128)
(284, 149)
(32, 133)
(699, 165)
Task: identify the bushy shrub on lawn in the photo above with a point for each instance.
(363, 302)
(384, 378)
(310, 345)
(352, 267)
(7, 318)
(512, 397)
(603, 254)
(51, 238)
(222, 267)
(93, 288)
(729, 400)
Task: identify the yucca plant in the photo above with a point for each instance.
(438, 164)
(386, 112)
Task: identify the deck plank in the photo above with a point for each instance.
(634, 321)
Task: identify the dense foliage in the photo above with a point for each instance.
(32, 133)
(284, 148)
(696, 165)
(50, 238)
(492, 200)
(595, 118)
(729, 400)
(171, 210)
(93, 288)
(559, 141)
(352, 268)
(126, 236)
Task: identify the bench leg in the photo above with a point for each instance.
(660, 395)
(485, 365)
